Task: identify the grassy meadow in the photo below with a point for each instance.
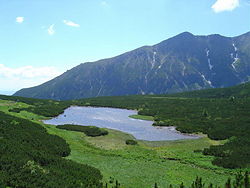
(165, 162)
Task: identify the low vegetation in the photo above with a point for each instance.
(47, 108)
(143, 164)
(88, 130)
(30, 157)
(34, 158)
(131, 142)
(239, 91)
(219, 118)
(240, 180)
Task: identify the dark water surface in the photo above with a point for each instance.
(113, 118)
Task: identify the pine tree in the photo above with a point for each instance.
(205, 113)
(232, 98)
(246, 180)
(156, 186)
(239, 180)
(182, 185)
(197, 183)
(228, 183)
(210, 185)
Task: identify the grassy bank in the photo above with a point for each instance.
(145, 164)
(147, 118)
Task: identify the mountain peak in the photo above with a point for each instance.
(182, 63)
(186, 33)
(185, 36)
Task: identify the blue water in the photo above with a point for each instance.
(113, 118)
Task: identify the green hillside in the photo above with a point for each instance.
(30, 157)
(239, 91)
(49, 154)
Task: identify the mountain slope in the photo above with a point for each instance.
(183, 63)
(239, 91)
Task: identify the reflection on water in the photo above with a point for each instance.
(117, 119)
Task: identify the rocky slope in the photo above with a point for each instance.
(182, 63)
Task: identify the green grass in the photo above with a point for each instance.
(219, 118)
(5, 106)
(114, 140)
(141, 165)
(148, 118)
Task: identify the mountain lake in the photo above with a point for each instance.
(117, 119)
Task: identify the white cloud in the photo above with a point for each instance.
(19, 19)
(225, 5)
(27, 76)
(104, 4)
(70, 23)
(27, 71)
(51, 30)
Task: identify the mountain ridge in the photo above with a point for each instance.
(182, 63)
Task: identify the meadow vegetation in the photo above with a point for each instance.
(30, 157)
(219, 118)
(85, 159)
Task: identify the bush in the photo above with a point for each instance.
(165, 123)
(131, 142)
(88, 130)
(32, 158)
(16, 110)
(198, 151)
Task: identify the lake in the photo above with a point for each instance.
(117, 119)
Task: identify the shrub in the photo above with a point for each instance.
(131, 142)
(88, 130)
(32, 158)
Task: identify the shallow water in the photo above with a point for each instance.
(113, 118)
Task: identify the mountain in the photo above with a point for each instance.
(183, 63)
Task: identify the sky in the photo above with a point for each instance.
(41, 39)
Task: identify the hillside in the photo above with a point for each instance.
(32, 158)
(219, 113)
(183, 63)
(213, 158)
(239, 91)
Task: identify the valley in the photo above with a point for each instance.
(221, 122)
(125, 94)
(141, 165)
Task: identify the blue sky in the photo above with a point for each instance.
(42, 38)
